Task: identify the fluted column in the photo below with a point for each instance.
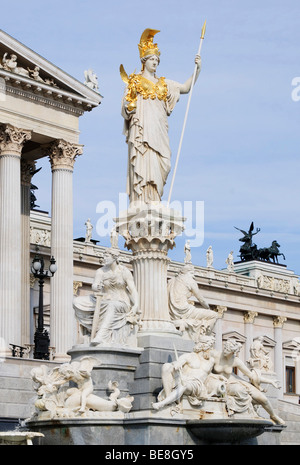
(278, 322)
(62, 156)
(27, 171)
(11, 143)
(149, 230)
(150, 265)
(249, 318)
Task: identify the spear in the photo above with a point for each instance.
(187, 111)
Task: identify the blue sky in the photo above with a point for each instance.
(240, 153)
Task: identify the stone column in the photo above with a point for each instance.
(62, 156)
(149, 231)
(249, 320)
(27, 171)
(11, 143)
(218, 326)
(278, 322)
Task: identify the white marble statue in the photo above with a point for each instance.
(35, 74)
(88, 231)
(110, 312)
(147, 103)
(114, 238)
(259, 355)
(207, 373)
(11, 64)
(229, 262)
(186, 316)
(242, 395)
(58, 399)
(187, 252)
(209, 257)
(91, 80)
(187, 376)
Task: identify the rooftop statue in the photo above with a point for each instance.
(91, 80)
(249, 251)
(147, 102)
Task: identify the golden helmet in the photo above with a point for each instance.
(146, 45)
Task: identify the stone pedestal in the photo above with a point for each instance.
(157, 351)
(114, 364)
(149, 231)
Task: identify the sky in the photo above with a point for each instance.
(239, 160)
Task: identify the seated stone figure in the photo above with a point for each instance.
(207, 373)
(186, 316)
(109, 313)
(187, 375)
(242, 395)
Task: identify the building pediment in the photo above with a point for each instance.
(238, 337)
(292, 344)
(26, 73)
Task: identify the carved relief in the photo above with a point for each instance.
(274, 284)
(40, 237)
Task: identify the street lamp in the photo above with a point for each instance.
(41, 336)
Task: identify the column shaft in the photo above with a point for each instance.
(11, 143)
(27, 170)
(62, 156)
(278, 359)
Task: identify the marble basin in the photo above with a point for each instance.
(225, 431)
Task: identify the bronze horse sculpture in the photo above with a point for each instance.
(268, 253)
(249, 251)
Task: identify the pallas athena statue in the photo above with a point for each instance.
(146, 105)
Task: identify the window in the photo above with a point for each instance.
(290, 385)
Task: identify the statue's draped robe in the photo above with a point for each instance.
(183, 312)
(149, 154)
(114, 307)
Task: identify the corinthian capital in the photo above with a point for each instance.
(12, 139)
(278, 321)
(250, 316)
(62, 154)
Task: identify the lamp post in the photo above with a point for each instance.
(41, 336)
